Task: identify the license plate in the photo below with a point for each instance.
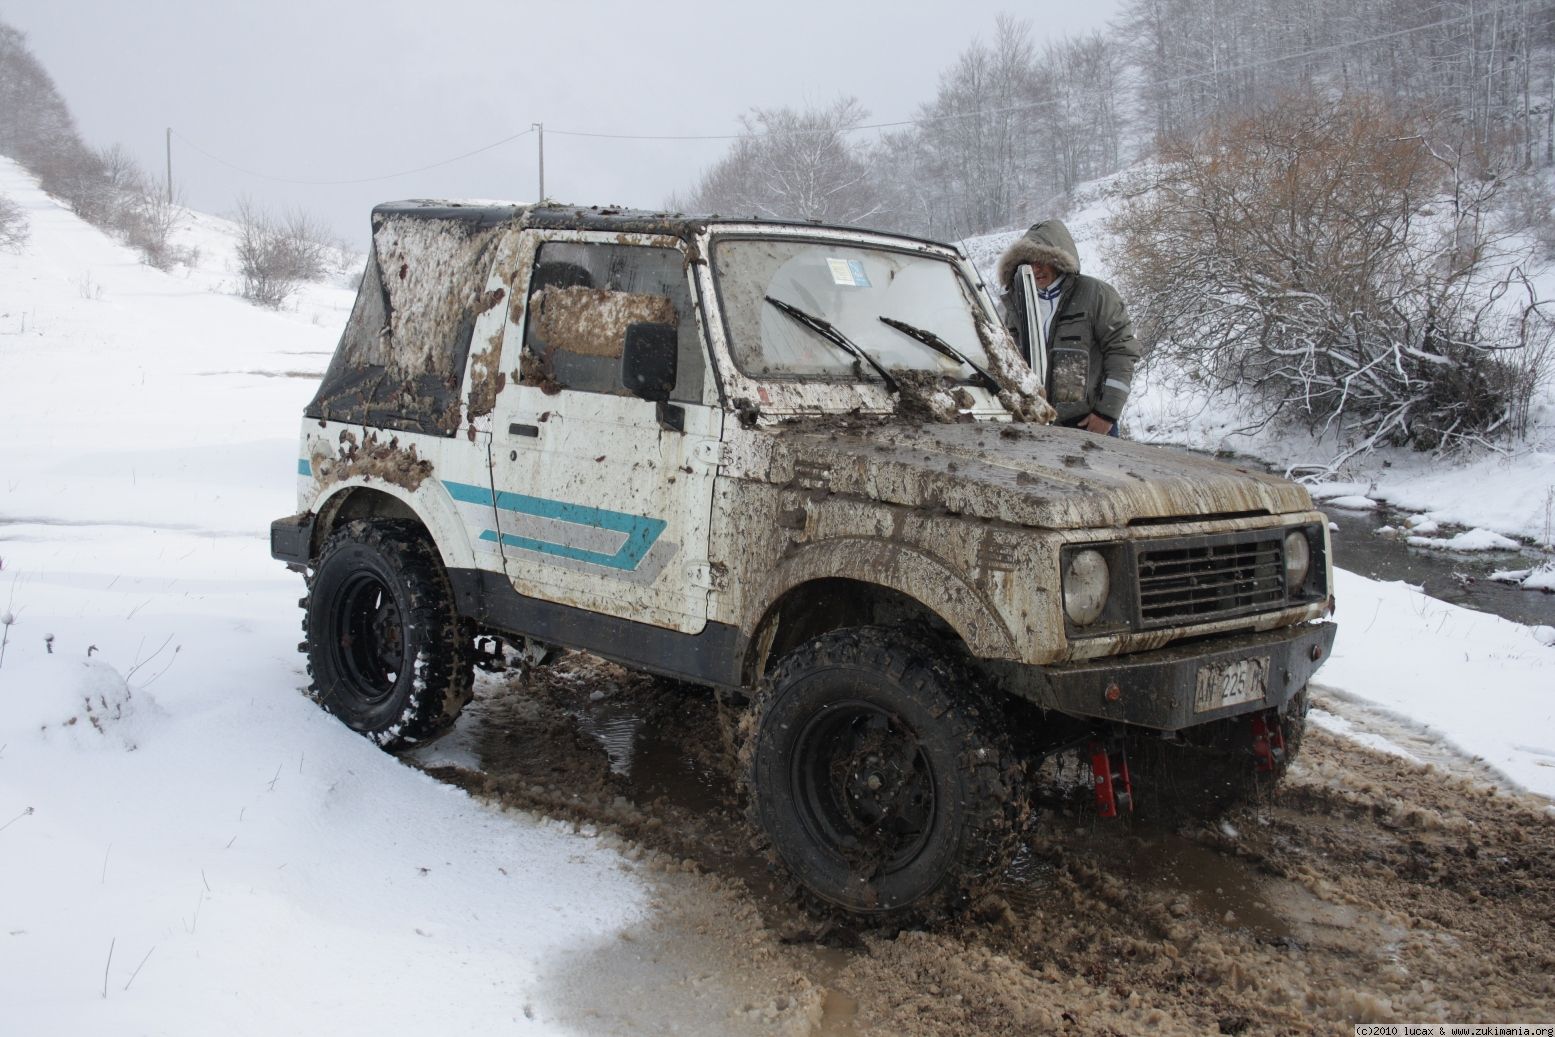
(1231, 683)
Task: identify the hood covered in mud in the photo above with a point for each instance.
(1026, 475)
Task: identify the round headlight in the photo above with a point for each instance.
(1086, 585)
(1298, 560)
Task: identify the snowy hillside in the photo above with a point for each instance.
(190, 846)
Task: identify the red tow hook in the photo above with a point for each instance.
(1109, 774)
(1268, 742)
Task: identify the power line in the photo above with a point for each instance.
(362, 180)
(921, 121)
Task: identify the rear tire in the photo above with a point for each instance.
(881, 777)
(386, 650)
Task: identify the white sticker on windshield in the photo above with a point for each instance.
(848, 272)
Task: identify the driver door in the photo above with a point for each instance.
(603, 499)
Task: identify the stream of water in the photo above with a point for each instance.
(1459, 578)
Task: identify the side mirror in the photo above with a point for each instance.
(650, 359)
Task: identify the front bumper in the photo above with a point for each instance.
(291, 540)
(1159, 689)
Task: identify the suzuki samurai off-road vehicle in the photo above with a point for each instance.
(804, 465)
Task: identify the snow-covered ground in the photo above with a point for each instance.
(167, 797)
(188, 845)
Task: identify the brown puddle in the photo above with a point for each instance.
(1217, 886)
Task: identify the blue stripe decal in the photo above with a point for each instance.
(641, 531)
(304, 468)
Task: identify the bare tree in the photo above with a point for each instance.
(1479, 62)
(982, 133)
(1336, 264)
(1082, 127)
(1009, 133)
(912, 197)
(37, 130)
(794, 165)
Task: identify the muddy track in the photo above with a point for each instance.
(1367, 889)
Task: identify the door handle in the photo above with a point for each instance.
(516, 429)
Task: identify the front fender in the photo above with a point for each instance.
(908, 570)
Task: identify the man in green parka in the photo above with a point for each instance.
(1089, 339)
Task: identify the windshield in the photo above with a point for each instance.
(850, 287)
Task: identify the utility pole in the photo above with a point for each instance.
(541, 127)
(170, 165)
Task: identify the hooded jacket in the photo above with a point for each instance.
(1091, 347)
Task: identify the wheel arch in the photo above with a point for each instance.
(866, 581)
(432, 510)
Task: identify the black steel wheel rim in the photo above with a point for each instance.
(370, 650)
(863, 786)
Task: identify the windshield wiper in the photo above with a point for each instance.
(825, 329)
(939, 345)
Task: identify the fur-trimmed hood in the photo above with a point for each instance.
(1046, 242)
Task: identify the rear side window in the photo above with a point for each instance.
(582, 298)
(400, 362)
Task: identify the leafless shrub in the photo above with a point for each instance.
(136, 209)
(1337, 267)
(275, 255)
(13, 225)
(147, 219)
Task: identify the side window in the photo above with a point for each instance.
(583, 295)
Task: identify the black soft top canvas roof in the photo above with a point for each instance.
(597, 217)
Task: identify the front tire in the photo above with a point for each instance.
(880, 775)
(386, 650)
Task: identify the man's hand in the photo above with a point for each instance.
(1097, 424)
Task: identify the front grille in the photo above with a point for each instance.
(1199, 581)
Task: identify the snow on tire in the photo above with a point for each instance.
(386, 651)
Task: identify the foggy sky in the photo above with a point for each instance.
(352, 89)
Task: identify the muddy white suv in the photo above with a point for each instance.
(803, 465)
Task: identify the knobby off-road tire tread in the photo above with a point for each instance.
(441, 672)
(997, 805)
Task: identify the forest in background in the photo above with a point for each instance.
(1015, 125)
